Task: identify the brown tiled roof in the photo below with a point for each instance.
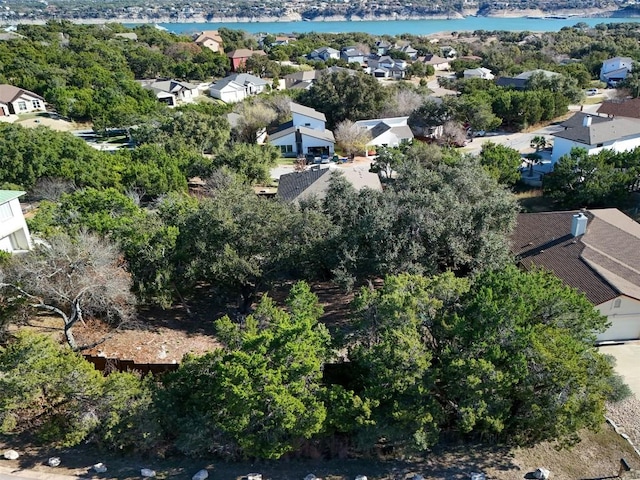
(9, 93)
(545, 240)
(621, 108)
(244, 53)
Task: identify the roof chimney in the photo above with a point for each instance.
(579, 224)
(586, 121)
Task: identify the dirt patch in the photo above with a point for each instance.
(596, 457)
(52, 121)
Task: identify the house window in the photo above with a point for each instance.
(617, 303)
(284, 149)
(5, 212)
(36, 104)
(22, 106)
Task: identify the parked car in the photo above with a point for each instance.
(592, 91)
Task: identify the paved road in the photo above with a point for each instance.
(627, 358)
(7, 473)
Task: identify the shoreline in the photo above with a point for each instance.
(527, 13)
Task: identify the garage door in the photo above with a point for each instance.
(622, 328)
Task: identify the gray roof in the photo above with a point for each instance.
(304, 75)
(401, 131)
(618, 73)
(601, 130)
(527, 75)
(292, 185)
(315, 182)
(307, 112)
(240, 79)
(326, 135)
(172, 86)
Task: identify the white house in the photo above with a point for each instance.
(324, 54)
(307, 117)
(480, 72)
(237, 87)
(387, 132)
(594, 251)
(298, 140)
(305, 134)
(595, 133)
(14, 233)
(172, 92)
(14, 100)
(615, 69)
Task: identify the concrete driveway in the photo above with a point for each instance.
(627, 360)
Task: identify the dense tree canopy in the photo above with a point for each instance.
(341, 96)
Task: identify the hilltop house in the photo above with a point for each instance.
(387, 132)
(314, 182)
(387, 67)
(14, 100)
(594, 251)
(237, 87)
(14, 233)
(481, 72)
(594, 133)
(615, 70)
(305, 134)
(210, 39)
(239, 57)
(172, 92)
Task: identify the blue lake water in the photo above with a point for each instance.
(397, 27)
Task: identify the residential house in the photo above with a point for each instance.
(615, 70)
(448, 52)
(438, 63)
(237, 87)
(239, 57)
(14, 233)
(387, 67)
(594, 251)
(382, 47)
(304, 79)
(14, 101)
(521, 82)
(352, 55)
(629, 107)
(409, 50)
(594, 133)
(210, 39)
(314, 182)
(481, 72)
(387, 132)
(305, 134)
(324, 54)
(172, 92)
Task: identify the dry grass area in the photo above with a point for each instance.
(596, 457)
